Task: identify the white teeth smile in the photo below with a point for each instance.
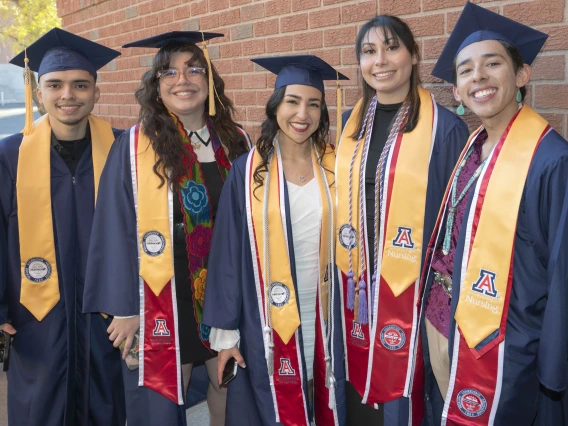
(184, 93)
(68, 108)
(484, 93)
(299, 126)
(384, 74)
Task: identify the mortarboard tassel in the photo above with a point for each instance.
(339, 126)
(29, 126)
(211, 85)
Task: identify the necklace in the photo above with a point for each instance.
(455, 201)
(303, 177)
(196, 144)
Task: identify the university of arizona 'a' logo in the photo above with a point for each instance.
(161, 329)
(357, 331)
(286, 368)
(485, 284)
(403, 238)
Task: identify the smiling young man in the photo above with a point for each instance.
(494, 307)
(63, 369)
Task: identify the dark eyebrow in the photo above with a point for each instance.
(54, 80)
(299, 97)
(484, 56)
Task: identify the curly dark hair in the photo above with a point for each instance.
(160, 127)
(269, 128)
(399, 31)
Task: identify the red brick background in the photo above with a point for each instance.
(326, 28)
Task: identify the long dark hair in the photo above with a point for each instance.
(269, 128)
(398, 31)
(515, 55)
(160, 128)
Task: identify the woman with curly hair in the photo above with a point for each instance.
(157, 204)
(274, 238)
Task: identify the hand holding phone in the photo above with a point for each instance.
(227, 364)
(229, 372)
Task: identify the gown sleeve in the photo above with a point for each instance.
(223, 293)
(448, 152)
(6, 188)
(112, 283)
(547, 218)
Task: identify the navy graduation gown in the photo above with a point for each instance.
(451, 137)
(535, 365)
(63, 369)
(112, 284)
(231, 304)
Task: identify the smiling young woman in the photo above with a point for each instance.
(494, 303)
(394, 159)
(157, 203)
(274, 233)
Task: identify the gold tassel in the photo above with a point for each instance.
(339, 126)
(212, 110)
(356, 308)
(29, 127)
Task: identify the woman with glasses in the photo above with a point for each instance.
(157, 203)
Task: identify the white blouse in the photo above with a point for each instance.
(305, 217)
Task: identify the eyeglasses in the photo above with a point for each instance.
(171, 76)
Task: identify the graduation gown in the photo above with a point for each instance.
(451, 137)
(63, 369)
(113, 258)
(231, 303)
(535, 358)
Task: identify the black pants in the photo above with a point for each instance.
(361, 414)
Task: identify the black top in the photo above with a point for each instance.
(191, 347)
(384, 117)
(71, 151)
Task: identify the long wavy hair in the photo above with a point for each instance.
(269, 129)
(400, 32)
(160, 127)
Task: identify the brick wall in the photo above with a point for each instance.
(326, 28)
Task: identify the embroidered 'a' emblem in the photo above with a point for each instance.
(161, 329)
(286, 368)
(485, 284)
(403, 238)
(357, 331)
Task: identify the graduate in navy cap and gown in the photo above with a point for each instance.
(158, 203)
(394, 159)
(494, 321)
(271, 301)
(63, 369)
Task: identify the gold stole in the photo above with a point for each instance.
(40, 282)
(156, 249)
(489, 267)
(405, 217)
(280, 290)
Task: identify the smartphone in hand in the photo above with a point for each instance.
(229, 372)
(5, 344)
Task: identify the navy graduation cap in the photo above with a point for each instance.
(478, 24)
(164, 39)
(60, 50)
(308, 70)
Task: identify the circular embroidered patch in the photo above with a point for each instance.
(279, 294)
(392, 337)
(471, 402)
(347, 236)
(37, 270)
(153, 243)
